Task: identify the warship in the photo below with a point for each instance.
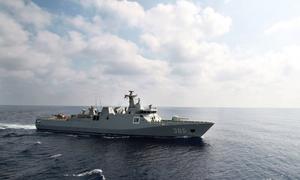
(133, 120)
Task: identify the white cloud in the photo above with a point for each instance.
(27, 12)
(11, 33)
(95, 27)
(227, 1)
(183, 21)
(175, 56)
(125, 11)
(179, 33)
(45, 60)
(15, 51)
(288, 26)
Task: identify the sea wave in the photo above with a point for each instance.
(55, 155)
(16, 134)
(116, 137)
(16, 126)
(72, 135)
(97, 172)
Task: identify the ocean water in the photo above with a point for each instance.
(243, 144)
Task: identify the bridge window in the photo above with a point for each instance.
(136, 120)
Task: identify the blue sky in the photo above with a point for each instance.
(205, 53)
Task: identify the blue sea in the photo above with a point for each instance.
(243, 144)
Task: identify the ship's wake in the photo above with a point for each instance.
(16, 126)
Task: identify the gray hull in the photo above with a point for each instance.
(166, 128)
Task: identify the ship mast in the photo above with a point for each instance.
(131, 97)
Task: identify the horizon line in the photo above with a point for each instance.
(163, 106)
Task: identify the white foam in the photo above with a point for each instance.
(16, 126)
(38, 142)
(72, 135)
(88, 173)
(56, 156)
(94, 171)
(116, 137)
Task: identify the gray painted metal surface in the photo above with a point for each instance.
(132, 121)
